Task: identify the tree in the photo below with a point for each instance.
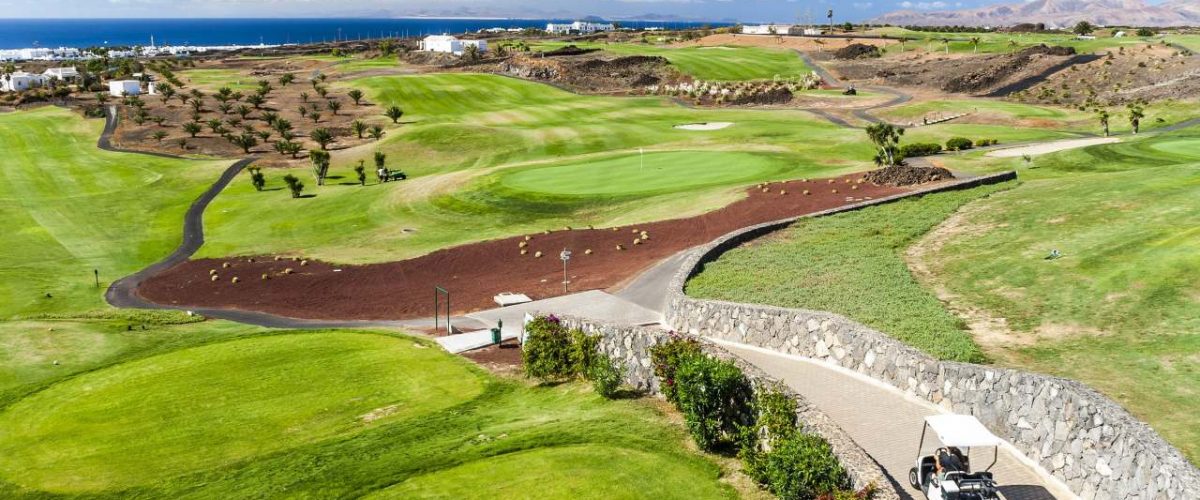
(192, 128)
(159, 135)
(184, 98)
(286, 79)
(257, 178)
(358, 127)
(361, 172)
(167, 91)
(225, 108)
(215, 125)
(886, 138)
(356, 96)
(244, 141)
(1012, 46)
(197, 106)
(243, 110)
(315, 116)
(975, 43)
(1145, 32)
(1103, 116)
(471, 53)
(256, 100)
(264, 135)
(320, 164)
(264, 88)
(376, 132)
(286, 147)
(321, 136)
(1136, 113)
(321, 91)
(394, 112)
(334, 106)
(101, 97)
(303, 111)
(1083, 28)
(294, 185)
(304, 97)
(224, 94)
(269, 117)
(380, 160)
(282, 125)
(236, 96)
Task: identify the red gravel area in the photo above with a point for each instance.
(476, 272)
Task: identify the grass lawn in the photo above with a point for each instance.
(851, 264)
(213, 79)
(467, 137)
(70, 208)
(722, 63)
(1001, 43)
(222, 410)
(1119, 310)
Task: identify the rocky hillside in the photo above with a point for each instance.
(1057, 13)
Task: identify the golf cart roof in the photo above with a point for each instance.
(962, 431)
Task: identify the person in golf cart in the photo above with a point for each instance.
(946, 474)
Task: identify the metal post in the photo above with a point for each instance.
(565, 256)
(97, 273)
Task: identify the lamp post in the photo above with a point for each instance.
(566, 257)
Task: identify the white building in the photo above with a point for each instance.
(773, 29)
(21, 81)
(62, 74)
(579, 27)
(451, 45)
(120, 88)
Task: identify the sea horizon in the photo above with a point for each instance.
(66, 32)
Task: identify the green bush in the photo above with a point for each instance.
(584, 352)
(920, 149)
(959, 144)
(548, 349)
(714, 398)
(775, 414)
(667, 358)
(605, 374)
(804, 467)
(986, 142)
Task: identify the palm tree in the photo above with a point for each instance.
(101, 97)
(243, 110)
(256, 100)
(184, 98)
(320, 163)
(159, 135)
(225, 107)
(244, 141)
(286, 79)
(167, 91)
(303, 111)
(361, 172)
(286, 147)
(304, 97)
(376, 132)
(1136, 113)
(975, 43)
(215, 125)
(224, 94)
(265, 135)
(321, 136)
(355, 95)
(282, 125)
(257, 178)
(334, 106)
(886, 138)
(316, 117)
(1012, 46)
(322, 91)
(192, 128)
(1103, 116)
(380, 159)
(394, 112)
(358, 127)
(197, 106)
(294, 185)
(269, 117)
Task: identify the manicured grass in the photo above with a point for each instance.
(213, 79)
(593, 471)
(219, 410)
(722, 63)
(851, 264)
(1192, 42)
(258, 396)
(1000, 43)
(641, 174)
(70, 208)
(463, 132)
(1118, 310)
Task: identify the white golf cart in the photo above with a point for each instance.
(946, 474)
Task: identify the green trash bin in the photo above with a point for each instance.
(496, 336)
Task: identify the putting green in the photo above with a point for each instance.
(587, 471)
(1189, 148)
(141, 422)
(653, 173)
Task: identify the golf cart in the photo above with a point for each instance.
(946, 474)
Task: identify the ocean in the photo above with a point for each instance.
(26, 33)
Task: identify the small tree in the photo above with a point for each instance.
(215, 125)
(264, 135)
(192, 128)
(294, 185)
(269, 117)
(356, 96)
(886, 138)
(714, 398)
(1083, 28)
(380, 159)
(197, 106)
(101, 97)
(256, 100)
(361, 172)
(244, 141)
(321, 91)
(314, 116)
(243, 110)
(376, 132)
(1103, 116)
(395, 113)
(282, 125)
(166, 91)
(286, 79)
(334, 106)
(1136, 113)
(358, 127)
(225, 108)
(286, 147)
(320, 164)
(257, 178)
(224, 94)
(159, 135)
(975, 43)
(304, 97)
(321, 136)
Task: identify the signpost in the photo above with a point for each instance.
(566, 257)
(96, 272)
(437, 293)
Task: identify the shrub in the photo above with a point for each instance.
(920, 149)
(548, 350)
(667, 357)
(605, 374)
(714, 397)
(775, 421)
(959, 144)
(803, 467)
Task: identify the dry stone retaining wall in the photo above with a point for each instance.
(630, 347)
(1080, 436)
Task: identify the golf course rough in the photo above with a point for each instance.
(149, 420)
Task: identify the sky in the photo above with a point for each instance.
(713, 10)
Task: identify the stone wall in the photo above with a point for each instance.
(630, 347)
(1080, 436)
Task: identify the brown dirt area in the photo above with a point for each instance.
(1148, 73)
(952, 73)
(475, 273)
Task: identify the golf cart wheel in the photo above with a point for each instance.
(912, 478)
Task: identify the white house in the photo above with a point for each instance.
(119, 88)
(21, 81)
(772, 29)
(451, 45)
(580, 27)
(62, 74)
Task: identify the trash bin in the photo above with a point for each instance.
(496, 336)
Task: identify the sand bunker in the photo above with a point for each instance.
(704, 126)
(1051, 147)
